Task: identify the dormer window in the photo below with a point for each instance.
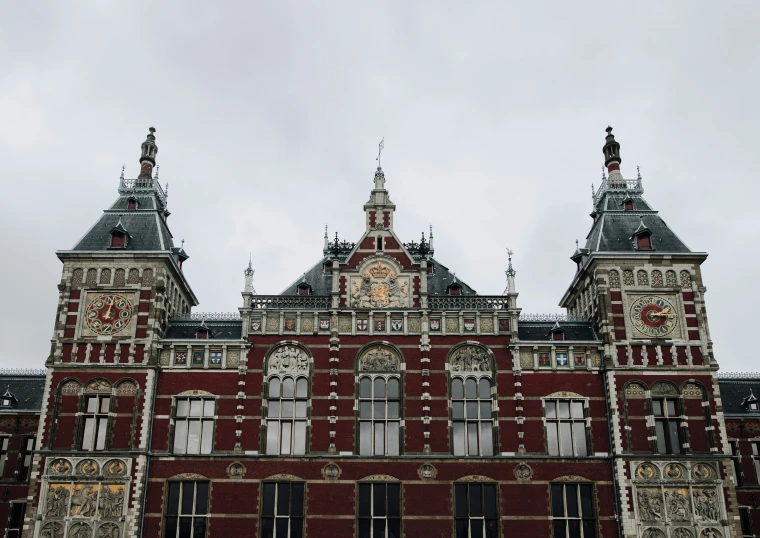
(201, 333)
(327, 268)
(7, 399)
(118, 239)
(750, 403)
(557, 332)
(131, 204)
(304, 289)
(379, 243)
(430, 269)
(628, 205)
(455, 289)
(6, 402)
(644, 241)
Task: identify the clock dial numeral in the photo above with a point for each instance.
(109, 313)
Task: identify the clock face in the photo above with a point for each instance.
(654, 316)
(109, 313)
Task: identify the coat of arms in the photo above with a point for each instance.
(435, 324)
(324, 324)
(469, 325)
(380, 325)
(379, 287)
(290, 324)
(255, 325)
(361, 324)
(397, 324)
(504, 325)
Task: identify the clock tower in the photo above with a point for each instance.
(120, 283)
(642, 287)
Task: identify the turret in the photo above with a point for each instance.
(148, 155)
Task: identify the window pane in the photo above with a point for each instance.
(657, 407)
(392, 409)
(580, 438)
(459, 439)
(492, 528)
(589, 529)
(462, 526)
(365, 526)
(267, 528)
(476, 528)
(393, 438)
(285, 438)
(460, 500)
(379, 386)
(378, 500)
(560, 529)
(393, 388)
(273, 437)
(268, 507)
(471, 410)
(281, 527)
(365, 409)
(565, 439)
(574, 528)
(180, 436)
(287, 387)
(485, 409)
(199, 527)
(201, 498)
(551, 409)
(571, 493)
(100, 443)
(671, 407)
(273, 409)
(283, 499)
(29, 446)
(394, 528)
(577, 409)
(286, 408)
(379, 438)
(185, 527)
(105, 403)
(471, 388)
(379, 409)
(378, 527)
(195, 408)
(476, 500)
(208, 408)
(89, 433)
(551, 438)
(296, 527)
(486, 439)
(365, 439)
(173, 503)
(365, 388)
(564, 409)
(457, 410)
(171, 527)
(92, 404)
(193, 436)
(660, 429)
(558, 507)
(394, 500)
(274, 387)
(457, 389)
(489, 500)
(484, 388)
(296, 501)
(472, 439)
(208, 436)
(675, 442)
(182, 407)
(586, 506)
(302, 387)
(188, 490)
(299, 438)
(365, 499)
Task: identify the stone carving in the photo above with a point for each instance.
(83, 500)
(331, 471)
(379, 287)
(344, 324)
(379, 478)
(307, 324)
(109, 530)
(71, 387)
(674, 471)
(678, 504)
(692, 390)
(57, 500)
(650, 504)
(486, 325)
(115, 468)
(98, 385)
(670, 278)
(126, 388)
(523, 472)
(60, 466)
(452, 325)
(87, 467)
(92, 275)
(236, 470)
(233, 358)
(80, 530)
(413, 324)
(475, 478)
(614, 278)
(685, 280)
(642, 277)
(526, 359)
(653, 533)
(706, 504)
(134, 277)
(427, 471)
(119, 278)
(657, 281)
(628, 278)
(147, 277)
(647, 471)
(702, 471)
(470, 359)
(288, 359)
(635, 390)
(105, 276)
(665, 389)
(682, 533)
(283, 476)
(111, 500)
(378, 359)
(711, 533)
(596, 359)
(77, 277)
(52, 530)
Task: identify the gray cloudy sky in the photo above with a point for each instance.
(268, 116)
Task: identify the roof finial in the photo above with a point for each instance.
(430, 245)
(326, 247)
(148, 155)
(576, 244)
(380, 147)
(611, 152)
(638, 172)
(123, 166)
(510, 272)
(183, 243)
(249, 276)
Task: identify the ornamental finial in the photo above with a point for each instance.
(510, 272)
(123, 166)
(638, 172)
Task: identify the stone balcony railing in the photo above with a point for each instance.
(618, 185)
(132, 185)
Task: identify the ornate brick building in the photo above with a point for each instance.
(380, 395)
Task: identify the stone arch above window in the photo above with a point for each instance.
(98, 385)
(288, 358)
(657, 278)
(665, 388)
(379, 478)
(692, 390)
(379, 358)
(614, 279)
(126, 387)
(195, 393)
(564, 394)
(685, 280)
(642, 277)
(635, 390)
(471, 357)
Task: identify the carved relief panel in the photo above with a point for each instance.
(380, 286)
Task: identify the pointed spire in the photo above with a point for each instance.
(510, 272)
(249, 277)
(326, 248)
(123, 167)
(611, 152)
(430, 245)
(148, 155)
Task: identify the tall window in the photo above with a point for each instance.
(472, 417)
(756, 459)
(3, 454)
(95, 416)
(286, 415)
(736, 462)
(187, 510)
(380, 510)
(282, 510)
(16, 519)
(573, 511)
(746, 521)
(379, 415)
(666, 425)
(566, 428)
(475, 511)
(194, 425)
(25, 458)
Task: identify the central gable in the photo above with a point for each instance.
(379, 282)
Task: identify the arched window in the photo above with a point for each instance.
(287, 407)
(95, 408)
(471, 401)
(379, 405)
(666, 409)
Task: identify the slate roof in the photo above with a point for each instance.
(733, 392)
(540, 331)
(27, 388)
(220, 329)
(321, 282)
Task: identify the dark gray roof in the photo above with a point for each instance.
(27, 389)
(145, 226)
(220, 329)
(321, 282)
(538, 331)
(733, 392)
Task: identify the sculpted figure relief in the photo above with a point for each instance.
(679, 507)
(83, 501)
(56, 501)
(379, 287)
(706, 505)
(378, 359)
(682, 533)
(650, 504)
(288, 359)
(470, 359)
(52, 530)
(111, 501)
(80, 530)
(653, 533)
(109, 530)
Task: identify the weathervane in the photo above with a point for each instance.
(380, 147)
